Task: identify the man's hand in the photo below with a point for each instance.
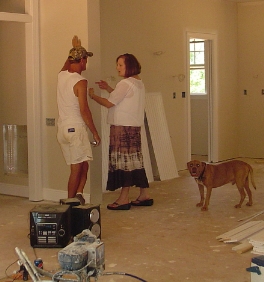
(76, 42)
(91, 93)
(97, 139)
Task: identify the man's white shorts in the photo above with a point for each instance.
(74, 142)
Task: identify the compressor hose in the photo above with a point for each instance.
(125, 274)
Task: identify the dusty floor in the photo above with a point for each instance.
(171, 241)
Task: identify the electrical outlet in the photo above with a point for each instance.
(262, 91)
(174, 95)
(50, 121)
(183, 94)
(245, 92)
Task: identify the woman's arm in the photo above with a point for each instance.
(100, 100)
(104, 85)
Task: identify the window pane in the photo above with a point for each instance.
(199, 46)
(192, 62)
(199, 58)
(197, 81)
(192, 46)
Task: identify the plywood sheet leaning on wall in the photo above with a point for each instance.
(146, 155)
(160, 136)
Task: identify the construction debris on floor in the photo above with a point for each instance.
(248, 236)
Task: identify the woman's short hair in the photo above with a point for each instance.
(133, 66)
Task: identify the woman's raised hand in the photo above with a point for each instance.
(102, 84)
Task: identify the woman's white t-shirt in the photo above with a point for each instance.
(129, 100)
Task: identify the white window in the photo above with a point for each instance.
(197, 67)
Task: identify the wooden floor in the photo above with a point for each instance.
(172, 240)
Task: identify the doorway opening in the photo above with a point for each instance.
(202, 116)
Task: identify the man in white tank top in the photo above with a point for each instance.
(74, 119)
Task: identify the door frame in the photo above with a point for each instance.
(31, 20)
(212, 97)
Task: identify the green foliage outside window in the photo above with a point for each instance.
(197, 81)
(197, 67)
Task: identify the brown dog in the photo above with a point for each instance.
(213, 176)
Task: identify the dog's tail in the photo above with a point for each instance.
(252, 176)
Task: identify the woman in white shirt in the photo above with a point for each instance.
(126, 104)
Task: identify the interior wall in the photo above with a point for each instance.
(12, 6)
(13, 101)
(251, 78)
(145, 27)
(60, 20)
(227, 78)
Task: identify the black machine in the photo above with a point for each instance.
(86, 217)
(50, 226)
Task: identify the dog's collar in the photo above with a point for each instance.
(200, 178)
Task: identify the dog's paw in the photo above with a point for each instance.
(204, 208)
(248, 204)
(199, 205)
(238, 206)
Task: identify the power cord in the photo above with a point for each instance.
(14, 276)
(125, 274)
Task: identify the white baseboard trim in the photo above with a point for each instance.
(14, 190)
(48, 194)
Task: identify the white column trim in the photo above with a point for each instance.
(33, 102)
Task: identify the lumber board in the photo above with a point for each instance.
(251, 217)
(242, 248)
(241, 228)
(258, 237)
(256, 252)
(246, 233)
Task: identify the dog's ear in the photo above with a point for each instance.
(203, 164)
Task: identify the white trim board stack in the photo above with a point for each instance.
(242, 232)
(249, 236)
(257, 241)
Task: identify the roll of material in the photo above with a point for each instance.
(243, 248)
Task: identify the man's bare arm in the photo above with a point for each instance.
(80, 90)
